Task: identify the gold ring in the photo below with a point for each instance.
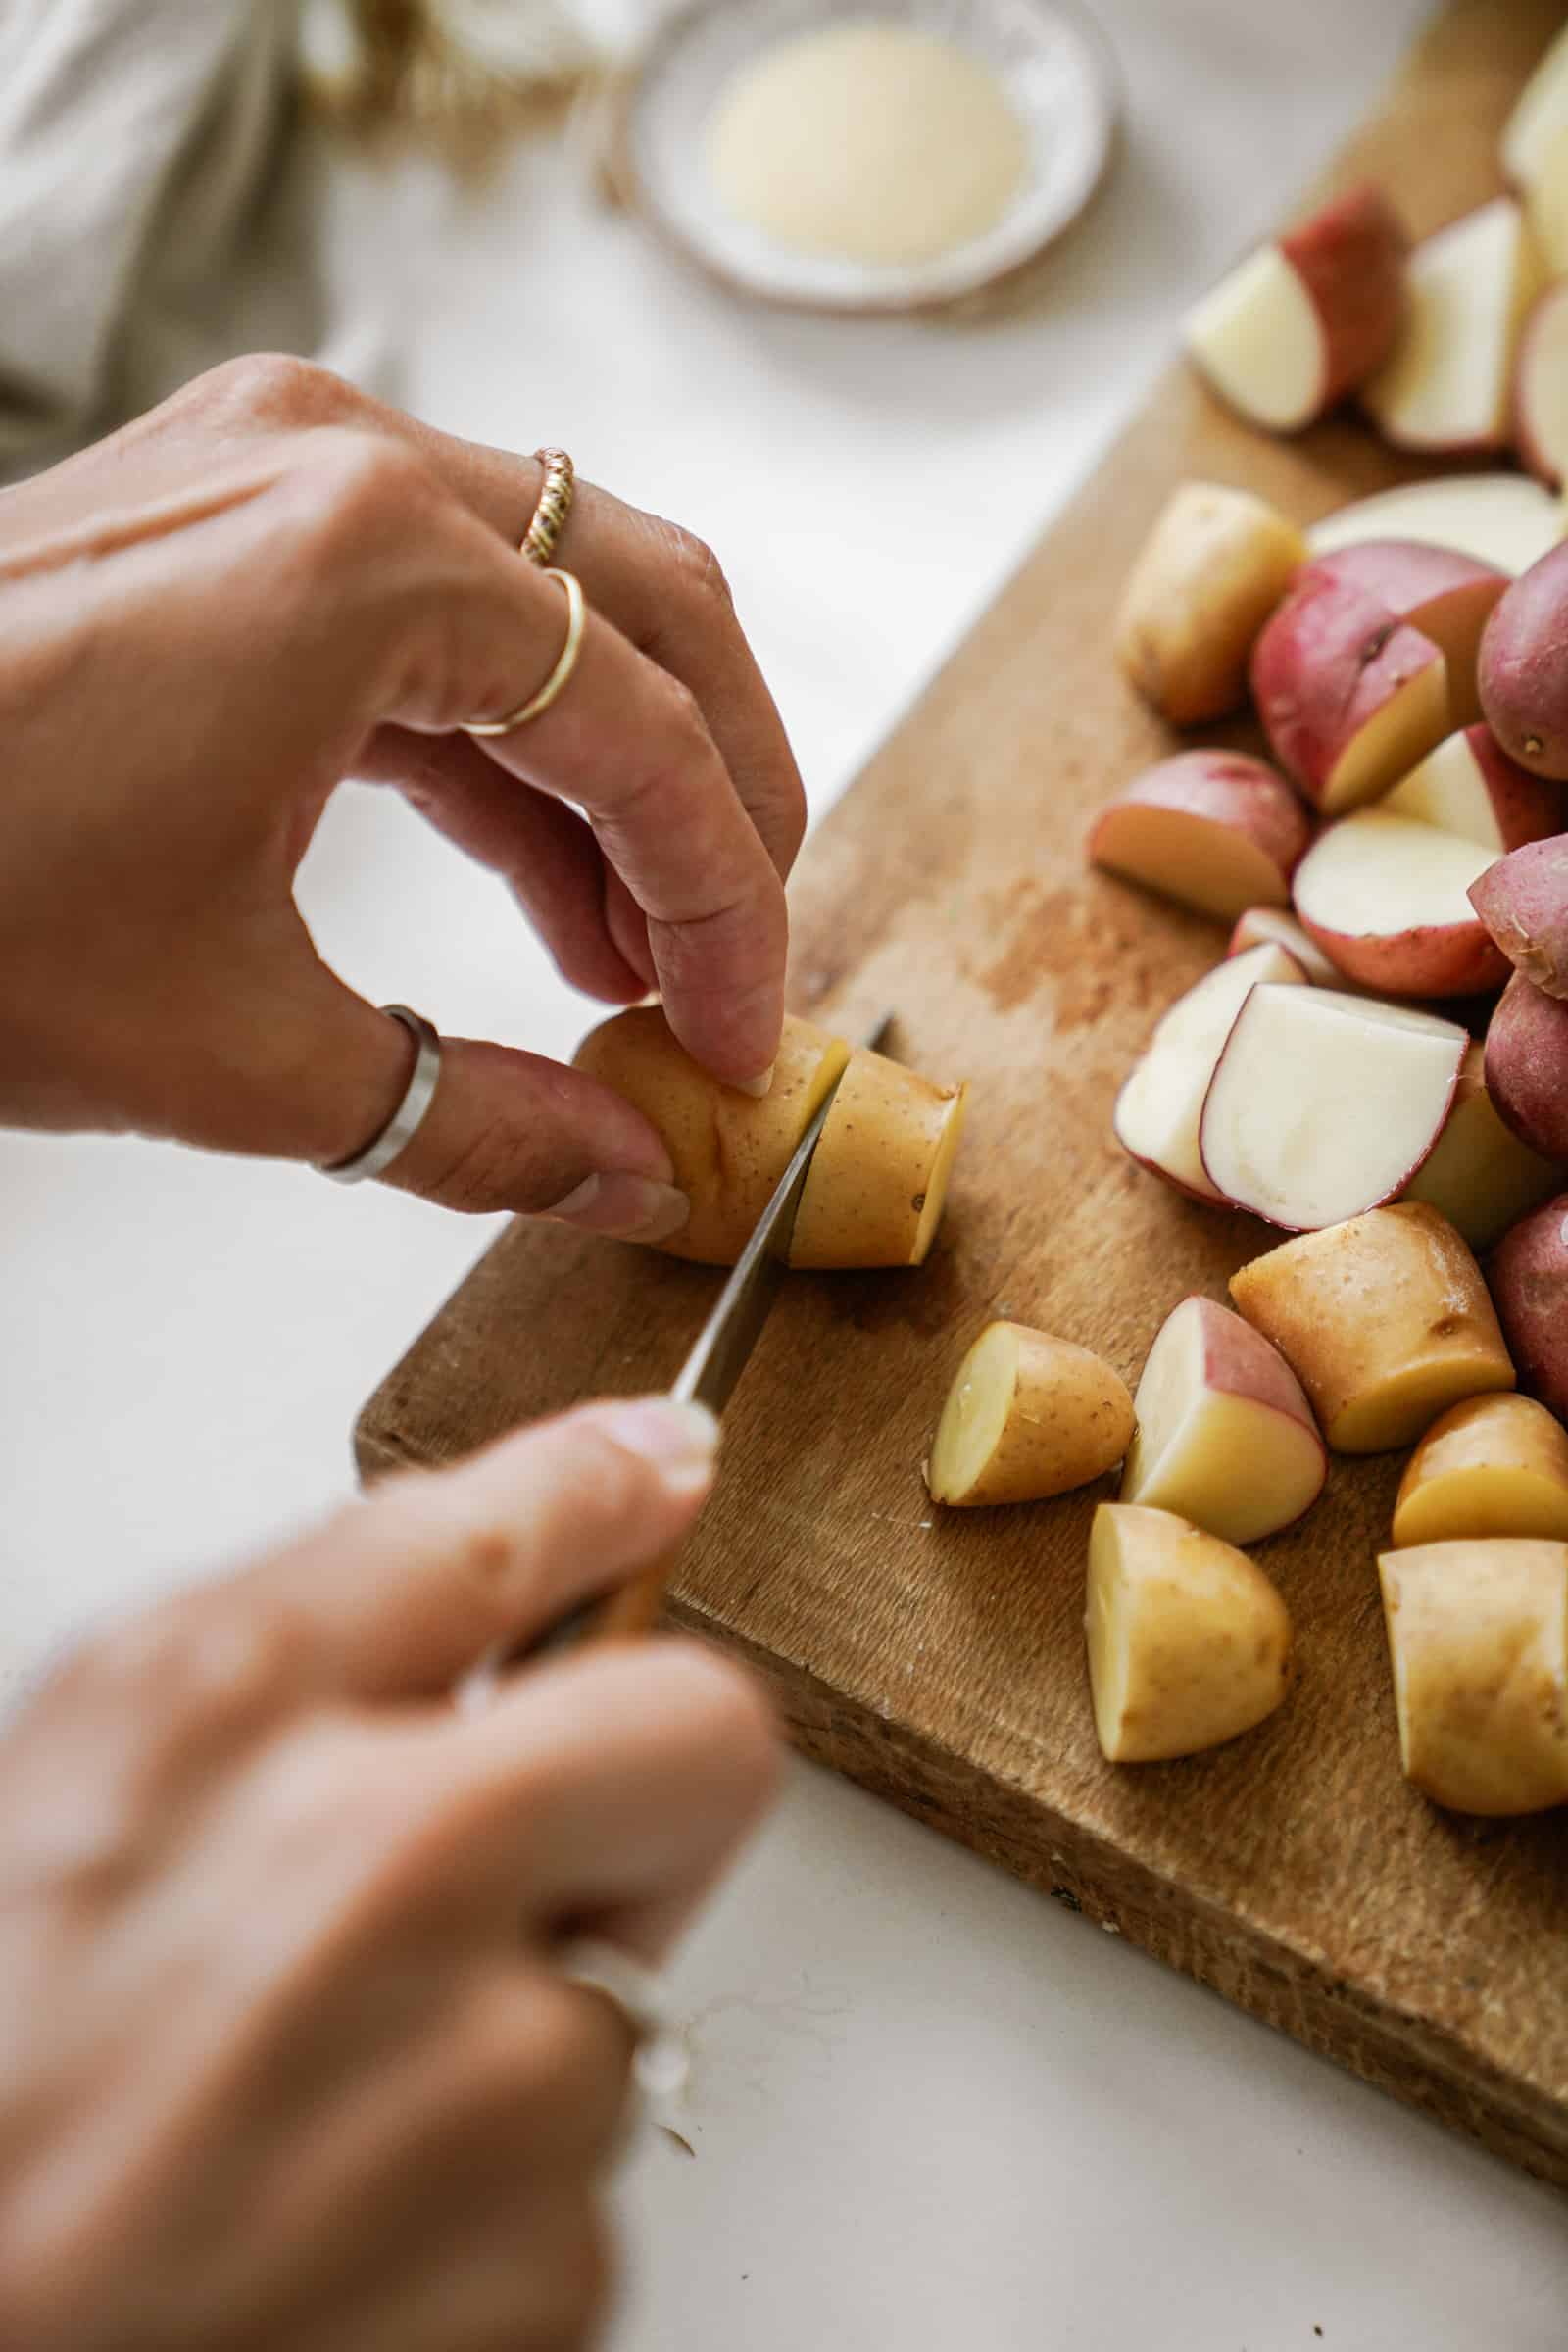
(577, 612)
(555, 504)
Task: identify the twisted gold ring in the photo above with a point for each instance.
(555, 504)
(537, 703)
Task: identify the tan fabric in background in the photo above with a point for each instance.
(154, 206)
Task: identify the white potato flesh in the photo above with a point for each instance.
(1541, 386)
(1188, 1643)
(1028, 1417)
(1259, 339)
(1448, 383)
(1160, 1107)
(1538, 122)
(1499, 519)
(1446, 789)
(1376, 875)
(1324, 1106)
(1225, 1435)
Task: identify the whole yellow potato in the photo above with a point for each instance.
(1491, 1466)
(729, 1149)
(1027, 1416)
(879, 1175)
(1188, 1643)
(1478, 1636)
(1384, 1319)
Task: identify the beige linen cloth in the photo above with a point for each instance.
(154, 206)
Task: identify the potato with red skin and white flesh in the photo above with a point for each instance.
(1225, 1435)
(1471, 788)
(1478, 1639)
(1188, 1643)
(1028, 1417)
(1307, 318)
(1272, 926)
(1479, 1176)
(1385, 1320)
(1529, 1276)
(1386, 899)
(1499, 519)
(1351, 697)
(1214, 830)
(1491, 1466)
(1523, 669)
(1447, 384)
(1523, 901)
(1160, 1106)
(1527, 1066)
(1323, 1106)
(878, 1179)
(1444, 595)
(1208, 575)
(1541, 386)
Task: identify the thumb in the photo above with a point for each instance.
(505, 1129)
(404, 1590)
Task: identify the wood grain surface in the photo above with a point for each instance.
(939, 1659)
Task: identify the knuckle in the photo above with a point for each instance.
(276, 388)
(214, 1667)
(697, 566)
(363, 485)
(481, 1172)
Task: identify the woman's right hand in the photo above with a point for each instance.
(286, 2059)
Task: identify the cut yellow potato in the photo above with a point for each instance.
(1478, 1175)
(729, 1149)
(1385, 1320)
(1027, 1416)
(1477, 1637)
(1225, 1437)
(1188, 1643)
(1208, 575)
(878, 1178)
(1491, 1466)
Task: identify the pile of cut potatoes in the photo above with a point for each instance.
(1408, 845)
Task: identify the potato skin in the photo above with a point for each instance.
(1351, 255)
(729, 1150)
(1208, 575)
(1491, 1466)
(1527, 1067)
(1523, 668)
(1384, 1319)
(1070, 1419)
(1523, 901)
(1529, 1276)
(1477, 1637)
(879, 1174)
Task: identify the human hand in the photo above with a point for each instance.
(287, 2061)
(272, 582)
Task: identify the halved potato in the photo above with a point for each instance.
(1491, 1466)
(1478, 1634)
(1027, 1416)
(1188, 1643)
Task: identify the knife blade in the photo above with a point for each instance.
(718, 1355)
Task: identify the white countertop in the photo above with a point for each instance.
(928, 2108)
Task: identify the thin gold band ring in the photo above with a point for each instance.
(537, 703)
(555, 504)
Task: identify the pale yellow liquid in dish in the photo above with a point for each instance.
(867, 141)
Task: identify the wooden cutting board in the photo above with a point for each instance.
(939, 1659)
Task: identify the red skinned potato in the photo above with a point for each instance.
(1499, 519)
(1386, 899)
(1304, 321)
(1527, 1067)
(1470, 787)
(1273, 928)
(1523, 668)
(1528, 1273)
(1523, 901)
(1205, 581)
(1448, 385)
(1214, 830)
(1447, 596)
(1541, 388)
(1349, 695)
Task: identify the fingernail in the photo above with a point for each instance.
(681, 1439)
(757, 1086)
(632, 1209)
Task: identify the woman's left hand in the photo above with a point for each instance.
(272, 583)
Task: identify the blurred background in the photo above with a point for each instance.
(925, 2104)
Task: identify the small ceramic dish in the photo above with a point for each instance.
(1051, 60)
